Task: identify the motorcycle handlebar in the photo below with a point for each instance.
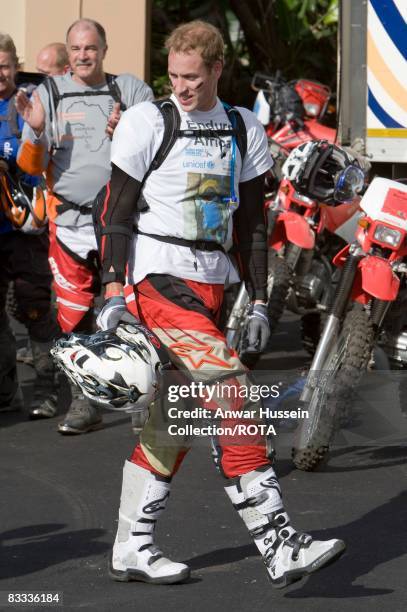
(265, 82)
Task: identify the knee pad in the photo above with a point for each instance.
(33, 309)
(33, 301)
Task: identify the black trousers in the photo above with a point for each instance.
(23, 261)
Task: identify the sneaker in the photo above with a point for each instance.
(81, 417)
(45, 401)
(25, 355)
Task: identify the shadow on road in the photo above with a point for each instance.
(374, 539)
(223, 556)
(35, 547)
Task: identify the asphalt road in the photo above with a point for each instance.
(60, 499)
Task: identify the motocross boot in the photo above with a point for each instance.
(44, 404)
(135, 556)
(287, 554)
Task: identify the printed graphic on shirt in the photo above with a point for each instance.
(206, 212)
(211, 153)
(82, 123)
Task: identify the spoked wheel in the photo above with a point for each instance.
(333, 390)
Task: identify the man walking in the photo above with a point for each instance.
(210, 183)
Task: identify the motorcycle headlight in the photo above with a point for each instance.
(312, 110)
(389, 236)
(348, 183)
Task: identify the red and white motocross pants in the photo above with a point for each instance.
(72, 259)
(183, 314)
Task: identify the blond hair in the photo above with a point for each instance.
(197, 36)
(7, 46)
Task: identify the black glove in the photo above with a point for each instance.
(113, 310)
(258, 328)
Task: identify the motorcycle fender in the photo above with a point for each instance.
(378, 278)
(278, 236)
(317, 131)
(297, 230)
(334, 218)
(340, 258)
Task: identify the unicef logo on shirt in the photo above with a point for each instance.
(7, 149)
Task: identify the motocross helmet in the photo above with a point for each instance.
(22, 203)
(324, 172)
(119, 369)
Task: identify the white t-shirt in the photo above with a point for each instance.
(191, 194)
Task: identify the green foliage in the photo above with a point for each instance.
(297, 37)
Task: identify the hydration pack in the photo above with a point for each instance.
(56, 96)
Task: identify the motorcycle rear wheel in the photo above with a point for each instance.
(334, 390)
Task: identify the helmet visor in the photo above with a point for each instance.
(348, 183)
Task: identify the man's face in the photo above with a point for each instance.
(47, 63)
(193, 83)
(86, 54)
(8, 71)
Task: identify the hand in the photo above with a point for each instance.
(258, 329)
(113, 120)
(31, 110)
(113, 310)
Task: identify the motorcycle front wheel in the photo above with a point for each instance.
(278, 285)
(333, 390)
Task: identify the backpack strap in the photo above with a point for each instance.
(53, 94)
(239, 125)
(113, 87)
(114, 90)
(172, 122)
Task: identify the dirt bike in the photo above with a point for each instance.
(291, 112)
(372, 281)
(302, 244)
(300, 273)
